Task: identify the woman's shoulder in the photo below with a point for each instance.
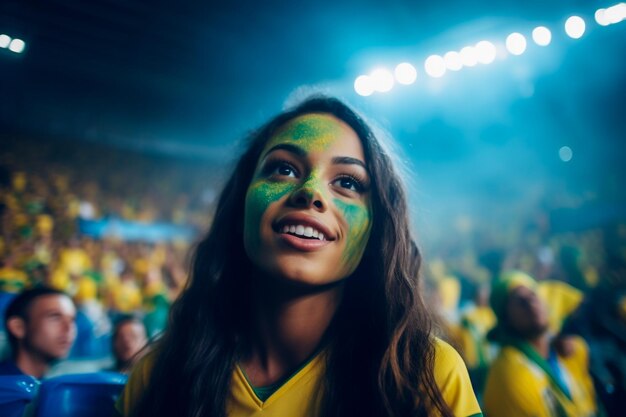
(453, 380)
(446, 357)
(136, 385)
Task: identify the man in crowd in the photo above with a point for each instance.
(531, 377)
(40, 325)
(129, 338)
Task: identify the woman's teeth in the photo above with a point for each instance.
(300, 230)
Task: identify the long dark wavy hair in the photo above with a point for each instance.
(380, 356)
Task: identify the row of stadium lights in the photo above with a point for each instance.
(484, 52)
(14, 45)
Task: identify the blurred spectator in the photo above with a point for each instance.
(529, 377)
(476, 350)
(40, 323)
(12, 279)
(125, 293)
(129, 338)
(601, 320)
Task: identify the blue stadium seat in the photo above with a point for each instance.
(79, 395)
(16, 392)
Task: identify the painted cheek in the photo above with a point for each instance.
(261, 194)
(359, 220)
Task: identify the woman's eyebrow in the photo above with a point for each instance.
(287, 147)
(346, 160)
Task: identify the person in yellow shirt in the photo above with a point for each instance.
(74, 259)
(12, 279)
(126, 293)
(304, 296)
(530, 378)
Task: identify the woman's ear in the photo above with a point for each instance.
(17, 327)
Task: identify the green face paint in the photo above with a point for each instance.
(312, 132)
(260, 195)
(359, 219)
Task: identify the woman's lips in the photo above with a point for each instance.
(303, 221)
(302, 243)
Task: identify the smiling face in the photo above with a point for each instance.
(308, 213)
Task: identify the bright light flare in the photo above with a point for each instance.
(363, 85)
(601, 18)
(453, 61)
(469, 56)
(566, 153)
(17, 46)
(575, 27)
(542, 36)
(5, 40)
(382, 80)
(405, 73)
(516, 43)
(435, 66)
(615, 14)
(485, 52)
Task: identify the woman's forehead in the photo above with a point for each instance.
(315, 132)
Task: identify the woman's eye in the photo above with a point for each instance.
(284, 169)
(349, 184)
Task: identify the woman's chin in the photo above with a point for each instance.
(303, 280)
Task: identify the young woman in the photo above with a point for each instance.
(304, 298)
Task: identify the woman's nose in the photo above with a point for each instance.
(308, 196)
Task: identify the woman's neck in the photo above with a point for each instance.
(286, 329)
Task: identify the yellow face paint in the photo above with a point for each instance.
(311, 132)
(321, 138)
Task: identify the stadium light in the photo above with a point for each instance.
(575, 27)
(382, 80)
(615, 14)
(485, 52)
(435, 66)
(468, 56)
(17, 46)
(405, 73)
(453, 61)
(363, 86)
(601, 18)
(542, 36)
(566, 153)
(516, 43)
(5, 40)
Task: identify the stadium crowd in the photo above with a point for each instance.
(577, 274)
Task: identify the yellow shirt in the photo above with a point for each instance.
(126, 296)
(516, 386)
(12, 280)
(86, 289)
(296, 398)
(74, 260)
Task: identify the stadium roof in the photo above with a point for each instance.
(195, 76)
